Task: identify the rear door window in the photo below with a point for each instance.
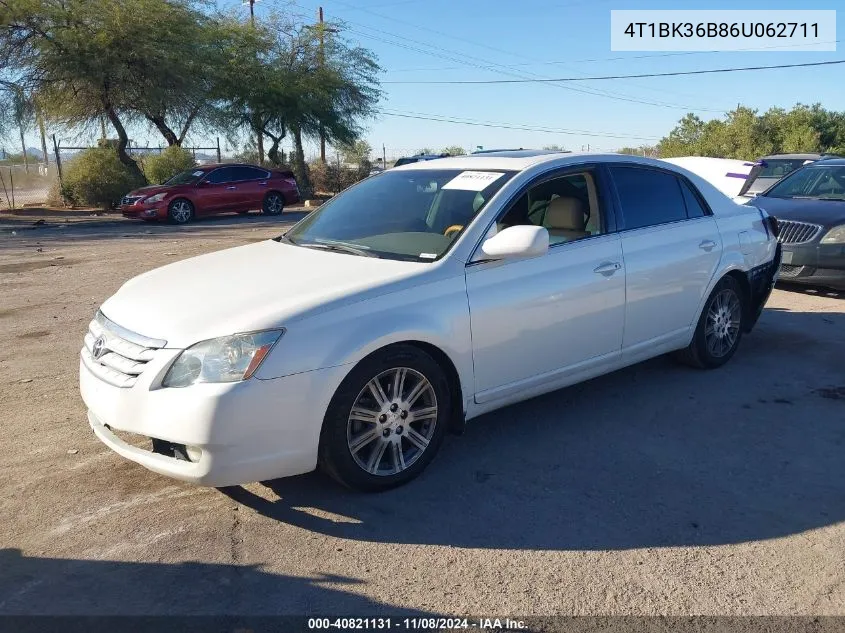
(648, 197)
(224, 174)
(249, 173)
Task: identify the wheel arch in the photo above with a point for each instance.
(457, 418)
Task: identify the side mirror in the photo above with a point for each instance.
(517, 242)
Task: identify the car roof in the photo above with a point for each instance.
(792, 156)
(523, 159)
(209, 166)
(828, 161)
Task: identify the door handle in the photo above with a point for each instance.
(707, 245)
(232, 188)
(263, 184)
(607, 268)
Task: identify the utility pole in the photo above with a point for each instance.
(383, 157)
(259, 139)
(322, 59)
(321, 33)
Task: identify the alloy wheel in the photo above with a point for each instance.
(180, 211)
(392, 421)
(723, 322)
(274, 204)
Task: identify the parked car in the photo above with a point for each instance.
(726, 174)
(769, 169)
(413, 301)
(407, 160)
(809, 205)
(213, 189)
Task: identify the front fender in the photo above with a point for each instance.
(435, 313)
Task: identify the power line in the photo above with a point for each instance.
(509, 126)
(608, 59)
(595, 91)
(485, 65)
(639, 76)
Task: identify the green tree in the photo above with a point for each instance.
(85, 61)
(281, 79)
(159, 168)
(425, 150)
(97, 177)
(357, 153)
(454, 150)
(684, 138)
(554, 148)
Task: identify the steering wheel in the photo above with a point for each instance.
(453, 229)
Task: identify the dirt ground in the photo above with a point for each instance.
(654, 490)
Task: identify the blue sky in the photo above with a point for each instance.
(525, 34)
(461, 39)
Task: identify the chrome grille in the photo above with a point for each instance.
(117, 355)
(787, 271)
(129, 200)
(792, 232)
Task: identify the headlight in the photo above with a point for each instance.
(156, 198)
(836, 235)
(224, 359)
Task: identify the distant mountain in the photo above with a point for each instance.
(35, 153)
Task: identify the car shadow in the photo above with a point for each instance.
(655, 455)
(814, 291)
(50, 586)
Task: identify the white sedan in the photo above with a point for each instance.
(416, 300)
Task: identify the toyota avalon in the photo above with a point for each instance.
(423, 297)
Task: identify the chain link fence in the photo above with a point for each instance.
(26, 186)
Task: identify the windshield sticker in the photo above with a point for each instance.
(428, 255)
(197, 173)
(473, 180)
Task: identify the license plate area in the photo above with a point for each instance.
(786, 257)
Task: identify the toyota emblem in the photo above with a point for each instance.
(99, 348)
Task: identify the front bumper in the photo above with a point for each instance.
(814, 263)
(157, 211)
(248, 431)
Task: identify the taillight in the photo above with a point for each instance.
(772, 225)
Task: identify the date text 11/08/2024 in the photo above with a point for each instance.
(414, 624)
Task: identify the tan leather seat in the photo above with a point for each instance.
(566, 218)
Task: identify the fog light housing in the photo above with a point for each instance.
(150, 212)
(194, 453)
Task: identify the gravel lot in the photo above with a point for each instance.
(655, 490)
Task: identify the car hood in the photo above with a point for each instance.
(825, 212)
(259, 286)
(151, 190)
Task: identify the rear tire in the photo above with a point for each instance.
(274, 203)
(386, 420)
(719, 328)
(180, 211)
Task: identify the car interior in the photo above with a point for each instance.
(566, 206)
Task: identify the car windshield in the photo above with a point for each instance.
(186, 177)
(407, 214)
(779, 167)
(816, 181)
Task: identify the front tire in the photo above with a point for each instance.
(274, 203)
(719, 328)
(180, 211)
(386, 420)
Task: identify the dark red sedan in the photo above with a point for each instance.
(212, 189)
